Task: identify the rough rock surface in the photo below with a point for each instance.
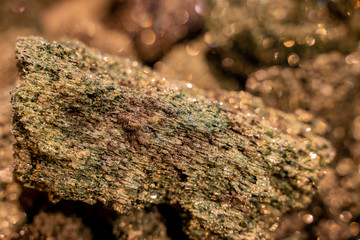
(92, 127)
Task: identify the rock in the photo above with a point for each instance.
(141, 224)
(328, 87)
(187, 62)
(244, 36)
(92, 127)
(6, 138)
(11, 214)
(55, 226)
(155, 25)
(83, 20)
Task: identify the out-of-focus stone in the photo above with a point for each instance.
(21, 13)
(255, 34)
(141, 224)
(6, 138)
(156, 25)
(187, 62)
(55, 226)
(11, 214)
(327, 86)
(82, 20)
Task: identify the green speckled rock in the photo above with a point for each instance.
(92, 127)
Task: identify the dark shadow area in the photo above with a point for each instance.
(174, 217)
(97, 217)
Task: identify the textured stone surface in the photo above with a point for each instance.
(92, 127)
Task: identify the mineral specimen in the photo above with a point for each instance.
(92, 127)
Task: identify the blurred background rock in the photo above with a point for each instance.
(300, 56)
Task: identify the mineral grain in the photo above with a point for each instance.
(92, 127)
